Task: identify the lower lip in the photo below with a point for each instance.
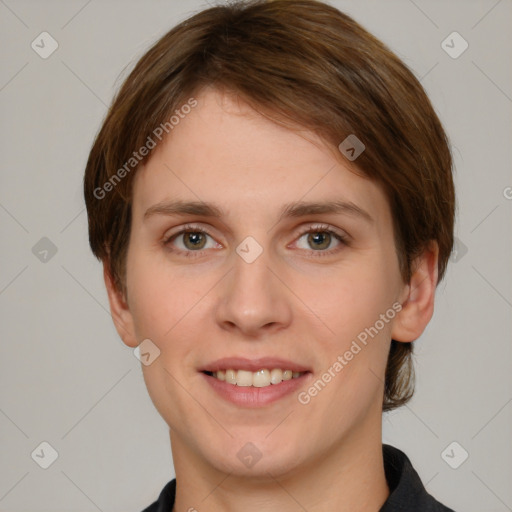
(250, 396)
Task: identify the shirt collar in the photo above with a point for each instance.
(406, 489)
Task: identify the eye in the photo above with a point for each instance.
(190, 239)
(320, 237)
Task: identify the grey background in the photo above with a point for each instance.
(65, 376)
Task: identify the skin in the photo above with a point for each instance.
(289, 303)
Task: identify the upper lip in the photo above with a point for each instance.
(253, 365)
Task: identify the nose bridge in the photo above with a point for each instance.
(253, 298)
(251, 264)
(251, 280)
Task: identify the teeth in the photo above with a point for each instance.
(230, 376)
(260, 379)
(243, 378)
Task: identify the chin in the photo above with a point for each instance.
(256, 457)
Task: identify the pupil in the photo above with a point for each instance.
(194, 238)
(321, 237)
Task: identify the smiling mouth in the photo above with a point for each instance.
(259, 379)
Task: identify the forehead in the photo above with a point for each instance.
(225, 153)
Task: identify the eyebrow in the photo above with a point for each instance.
(289, 210)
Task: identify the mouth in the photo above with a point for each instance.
(257, 382)
(260, 379)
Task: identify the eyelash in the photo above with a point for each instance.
(317, 228)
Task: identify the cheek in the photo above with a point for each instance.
(154, 301)
(358, 311)
(355, 300)
(163, 298)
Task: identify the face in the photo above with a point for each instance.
(275, 290)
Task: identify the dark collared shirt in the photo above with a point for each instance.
(407, 493)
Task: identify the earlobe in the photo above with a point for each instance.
(121, 314)
(418, 306)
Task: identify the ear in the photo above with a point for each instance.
(119, 310)
(418, 307)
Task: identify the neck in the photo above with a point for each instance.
(350, 477)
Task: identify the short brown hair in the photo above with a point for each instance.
(301, 63)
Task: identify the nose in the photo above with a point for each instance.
(253, 299)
